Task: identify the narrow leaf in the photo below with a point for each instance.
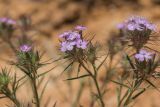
(120, 83)
(152, 85)
(102, 62)
(139, 93)
(78, 77)
(43, 90)
(67, 67)
(130, 62)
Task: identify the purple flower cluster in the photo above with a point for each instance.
(137, 23)
(25, 48)
(7, 21)
(72, 39)
(143, 56)
(137, 30)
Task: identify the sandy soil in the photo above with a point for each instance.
(51, 17)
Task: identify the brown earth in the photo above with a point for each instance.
(51, 17)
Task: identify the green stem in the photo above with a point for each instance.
(34, 88)
(132, 90)
(107, 73)
(129, 98)
(16, 102)
(120, 102)
(94, 77)
(12, 97)
(99, 93)
(97, 86)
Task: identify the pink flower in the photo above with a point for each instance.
(67, 46)
(7, 21)
(143, 56)
(25, 48)
(81, 44)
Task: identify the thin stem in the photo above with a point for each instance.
(12, 97)
(106, 75)
(119, 92)
(16, 102)
(128, 98)
(94, 77)
(89, 72)
(99, 93)
(34, 87)
(131, 92)
(97, 86)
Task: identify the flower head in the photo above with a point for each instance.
(143, 56)
(7, 21)
(67, 46)
(25, 48)
(81, 44)
(73, 36)
(70, 35)
(139, 24)
(71, 40)
(65, 34)
(137, 30)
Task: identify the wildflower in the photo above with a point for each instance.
(137, 23)
(67, 46)
(7, 21)
(73, 36)
(143, 56)
(80, 28)
(71, 40)
(137, 30)
(81, 44)
(25, 48)
(6, 28)
(70, 35)
(140, 24)
(65, 34)
(132, 26)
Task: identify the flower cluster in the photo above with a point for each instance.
(25, 48)
(138, 30)
(137, 23)
(143, 56)
(72, 39)
(7, 21)
(28, 60)
(7, 26)
(145, 64)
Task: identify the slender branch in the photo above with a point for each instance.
(11, 96)
(99, 93)
(34, 87)
(94, 77)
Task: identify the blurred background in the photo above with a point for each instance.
(49, 18)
